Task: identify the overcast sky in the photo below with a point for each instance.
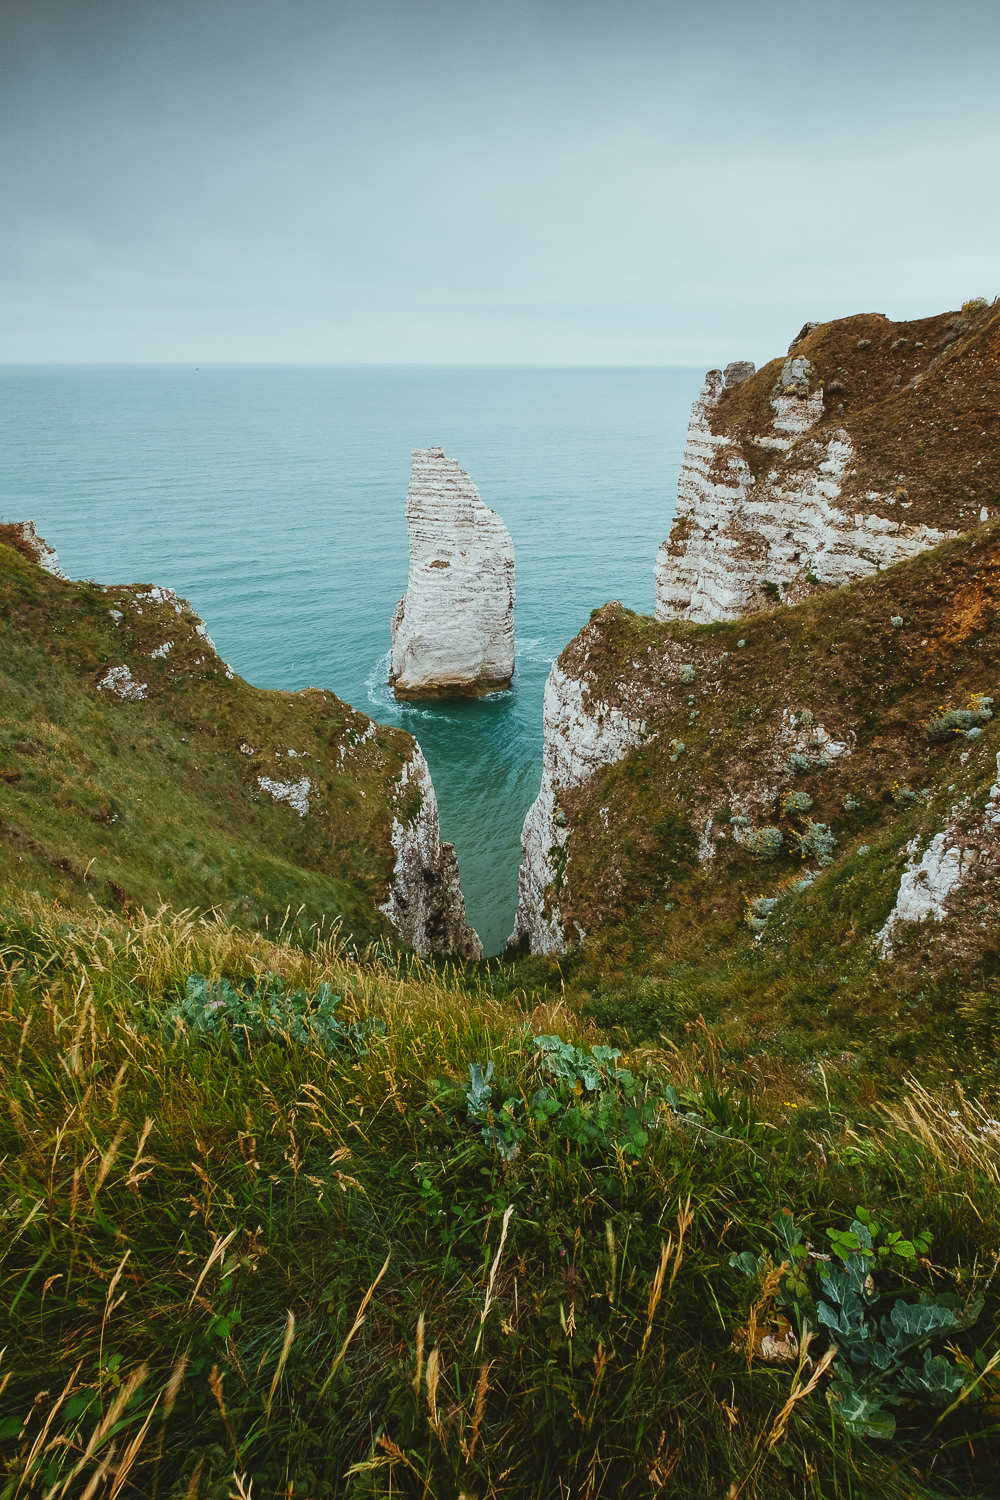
(487, 181)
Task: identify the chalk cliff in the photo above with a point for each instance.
(717, 781)
(194, 788)
(453, 629)
(804, 475)
(582, 734)
(22, 536)
(426, 905)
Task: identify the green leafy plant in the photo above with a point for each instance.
(885, 1356)
(587, 1099)
(256, 1011)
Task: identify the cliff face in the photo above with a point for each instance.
(453, 629)
(22, 537)
(136, 767)
(582, 734)
(827, 465)
(426, 905)
(795, 811)
(802, 800)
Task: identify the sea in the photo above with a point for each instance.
(272, 497)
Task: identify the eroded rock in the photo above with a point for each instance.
(23, 536)
(582, 734)
(426, 905)
(745, 540)
(453, 629)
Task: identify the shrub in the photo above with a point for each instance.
(817, 840)
(795, 802)
(974, 307)
(952, 721)
(764, 843)
(687, 672)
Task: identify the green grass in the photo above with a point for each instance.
(669, 940)
(240, 1265)
(130, 804)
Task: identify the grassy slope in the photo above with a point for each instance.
(136, 803)
(193, 1226)
(235, 1268)
(669, 940)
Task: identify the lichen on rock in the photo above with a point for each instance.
(453, 629)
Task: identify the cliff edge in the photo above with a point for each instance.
(792, 814)
(136, 768)
(863, 446)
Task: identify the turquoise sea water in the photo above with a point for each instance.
(273, 499)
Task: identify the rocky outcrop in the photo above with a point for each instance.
(426, 905)
(22, 536)
(966, 845)
(258, 804)
(453, 629)
(762, 518)
(582, 734)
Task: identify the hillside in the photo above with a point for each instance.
(787, 822)
(282, 1223)
(136, 769)
(869, 442)
(696, 1194)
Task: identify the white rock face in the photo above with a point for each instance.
(426, 905)
(45, 556)
(120, 682)
(943, 867)
(580, 737)
(295, 793)
(732, 533)
(453, 629)
(808, 738)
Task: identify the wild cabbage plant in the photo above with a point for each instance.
(253, 1012)
(585, 1098)
(885, 1343)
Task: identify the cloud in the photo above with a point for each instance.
(526, 182)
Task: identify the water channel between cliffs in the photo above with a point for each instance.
(273, 499)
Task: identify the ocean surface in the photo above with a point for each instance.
(273, 499)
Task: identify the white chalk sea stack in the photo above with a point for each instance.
(453, 629)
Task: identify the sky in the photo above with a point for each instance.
(525, 182)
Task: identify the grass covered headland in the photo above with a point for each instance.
(279, 1221)
(706, 1207)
